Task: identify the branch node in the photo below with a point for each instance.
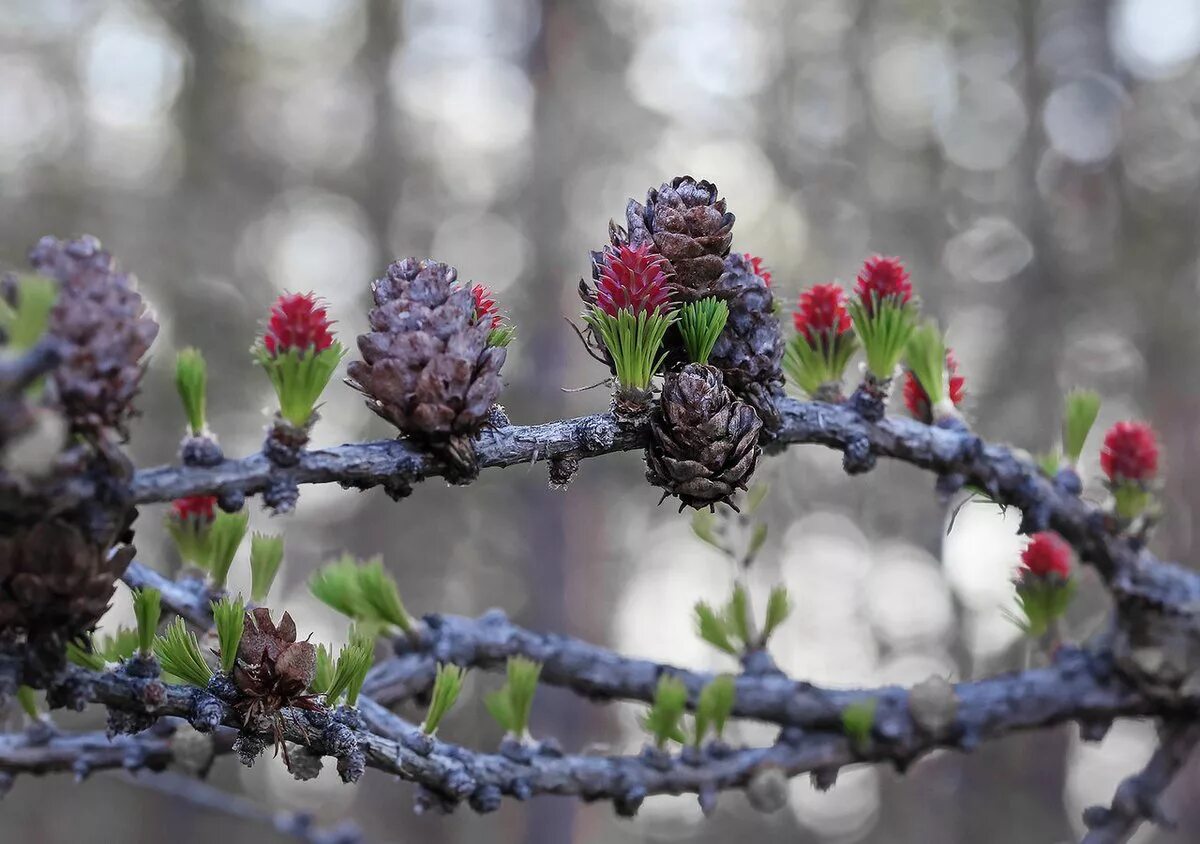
(248, 747)
(656, 758)
(486, 798)
(518, 751)
(397, 487)
(121, 722)
(1068, 480)
(628, 803)
(281, 495)
(595, 433)
(1094, 729)
(81, 768)
(352, 766)
(823, 779)
(858, 459)
(207, 712)
(460, 785)
(758, 663)
(521, 789)
(202, 452)
(427, 800)
(497, 417)
(69, 690)
(231, 500)
(562, 471)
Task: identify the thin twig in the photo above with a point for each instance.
(1138, 796)
(298, 825)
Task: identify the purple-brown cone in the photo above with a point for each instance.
(687, 223)
(749, 351)
(426, 364)
(55, 583)
(272, 667)
(703, 441)
(105, 331)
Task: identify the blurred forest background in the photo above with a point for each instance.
(1036, 163)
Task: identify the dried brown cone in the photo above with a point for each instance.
(55, 583)
(426, 364)
(105, 331)
(749, 351)
(273, 670)
(687, 222)
(703, 441)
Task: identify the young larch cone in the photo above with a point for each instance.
(299, 354)
(105, 331)
(1129, 453)
(195, 508)
(625, 277)
(821, 313)
(917, 400)
(749, 351)
(298, 321)
(883, 279)
(1046, 556)
(633, 277)
(426, 364)
(759, 266)
(486, 309)
(687, 223)
(816, 359)
(703, 441)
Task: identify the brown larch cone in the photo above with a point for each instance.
(687, 222)
(58, 566)
(703, 441)
(56, 582)
(426, 364)
(273, 670)
(749, 351)
(105, 331)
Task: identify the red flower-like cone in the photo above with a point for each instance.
(756, 264)
(821, 313)
(298, 321)
(883, 279)
(632, 277)
(1047, 555)
(917, 400)
(486, 309)
(198, 508)
(817, 357)
(1130, 453)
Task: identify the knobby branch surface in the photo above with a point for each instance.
(1080, 684)
(1071, 689)
(1008, 478)
(1089, 685)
